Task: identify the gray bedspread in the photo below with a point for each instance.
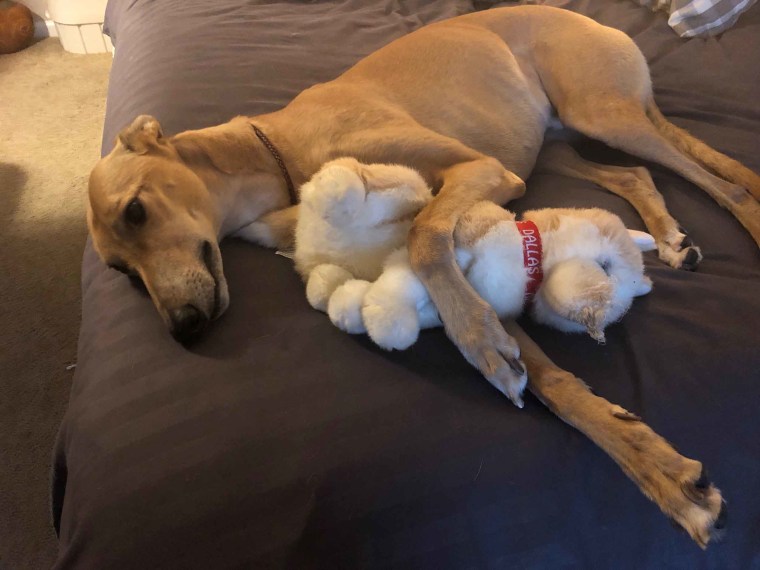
(278, 441)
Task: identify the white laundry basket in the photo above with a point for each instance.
(79, 24)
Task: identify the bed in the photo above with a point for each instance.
(278, 441)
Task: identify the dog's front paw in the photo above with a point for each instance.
(345, 306)
(487, 346)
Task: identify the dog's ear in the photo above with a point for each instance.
(229, 148)
(643, 240)
(143, 134)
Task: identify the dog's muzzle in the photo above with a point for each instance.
(207, 254)
(188, 322)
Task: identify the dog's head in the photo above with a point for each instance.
(153, 218)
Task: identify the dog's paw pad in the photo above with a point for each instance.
(686, 258)
(691, 259)
(697, 490)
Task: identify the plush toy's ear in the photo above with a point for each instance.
(579, 290)
(143, 134)
(336, 192)
(643, 240)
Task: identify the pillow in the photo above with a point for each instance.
(700, 18)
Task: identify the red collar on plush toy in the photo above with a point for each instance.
(531, 242)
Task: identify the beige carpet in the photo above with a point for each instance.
(51, 115)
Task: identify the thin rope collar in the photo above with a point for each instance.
(280, 162)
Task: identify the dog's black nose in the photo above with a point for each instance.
(187, 323)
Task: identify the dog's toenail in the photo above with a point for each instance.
(691, 260)
(704, 481)
(676, 524)
(516, 366)
(720, 522)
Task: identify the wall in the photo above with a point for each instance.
(36, 6)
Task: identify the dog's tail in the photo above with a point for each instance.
(714, 161)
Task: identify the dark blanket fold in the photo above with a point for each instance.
(280, 441)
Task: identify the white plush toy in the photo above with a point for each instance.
(581, 267)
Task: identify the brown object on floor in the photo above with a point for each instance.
(16, 28)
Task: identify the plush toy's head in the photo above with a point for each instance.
(593, 268)
(354, 215)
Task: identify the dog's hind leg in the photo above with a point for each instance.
(600, 86)
(677, 484)
(623, 124)
(635, 185)
(716, 162)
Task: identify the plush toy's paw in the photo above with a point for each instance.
(643, 286)
(392, 327)
(345, 306)
(323, 280)
(339, 192)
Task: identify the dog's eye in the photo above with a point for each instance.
(134, 213)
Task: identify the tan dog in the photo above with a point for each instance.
(465, 102)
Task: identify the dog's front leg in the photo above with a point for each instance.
(274, 229)
(469, 321)
(677, 484)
